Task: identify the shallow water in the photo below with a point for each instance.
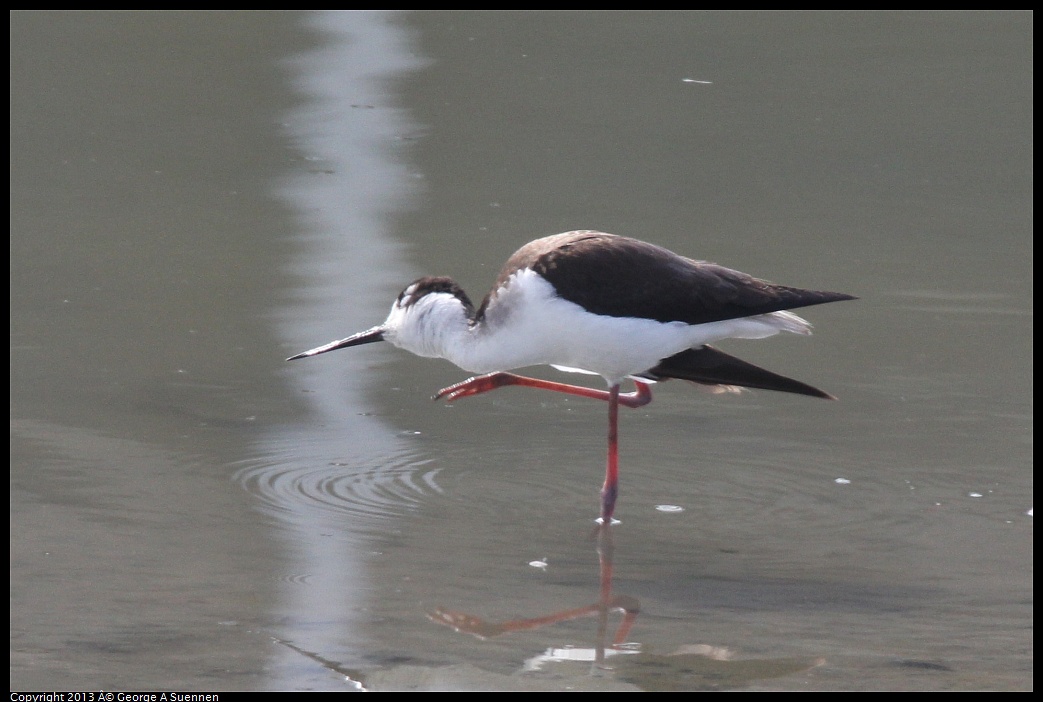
(195, 197)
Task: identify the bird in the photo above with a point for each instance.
(591, 302)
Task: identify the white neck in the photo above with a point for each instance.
(431, 327)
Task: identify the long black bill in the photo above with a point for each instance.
(365, 337)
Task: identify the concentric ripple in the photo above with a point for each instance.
(369, 491)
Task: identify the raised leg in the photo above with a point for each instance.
(641, 396)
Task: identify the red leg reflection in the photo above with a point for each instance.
(607, 602)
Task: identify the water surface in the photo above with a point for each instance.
(195, 197)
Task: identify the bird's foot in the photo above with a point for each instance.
(476, 386)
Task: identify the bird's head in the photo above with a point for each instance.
(423, 316)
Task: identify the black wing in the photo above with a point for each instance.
(621, 277)
(708, 366)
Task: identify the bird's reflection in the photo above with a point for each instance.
(606, 604)
(689, 667)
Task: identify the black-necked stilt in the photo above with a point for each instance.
(603, 304)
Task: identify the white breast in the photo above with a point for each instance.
(527, 324)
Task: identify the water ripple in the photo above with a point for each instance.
(370, 492)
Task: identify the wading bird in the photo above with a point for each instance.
(601, 304)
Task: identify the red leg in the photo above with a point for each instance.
(641, 396)
(610, 489)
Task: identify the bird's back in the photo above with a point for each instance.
(621, 277)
